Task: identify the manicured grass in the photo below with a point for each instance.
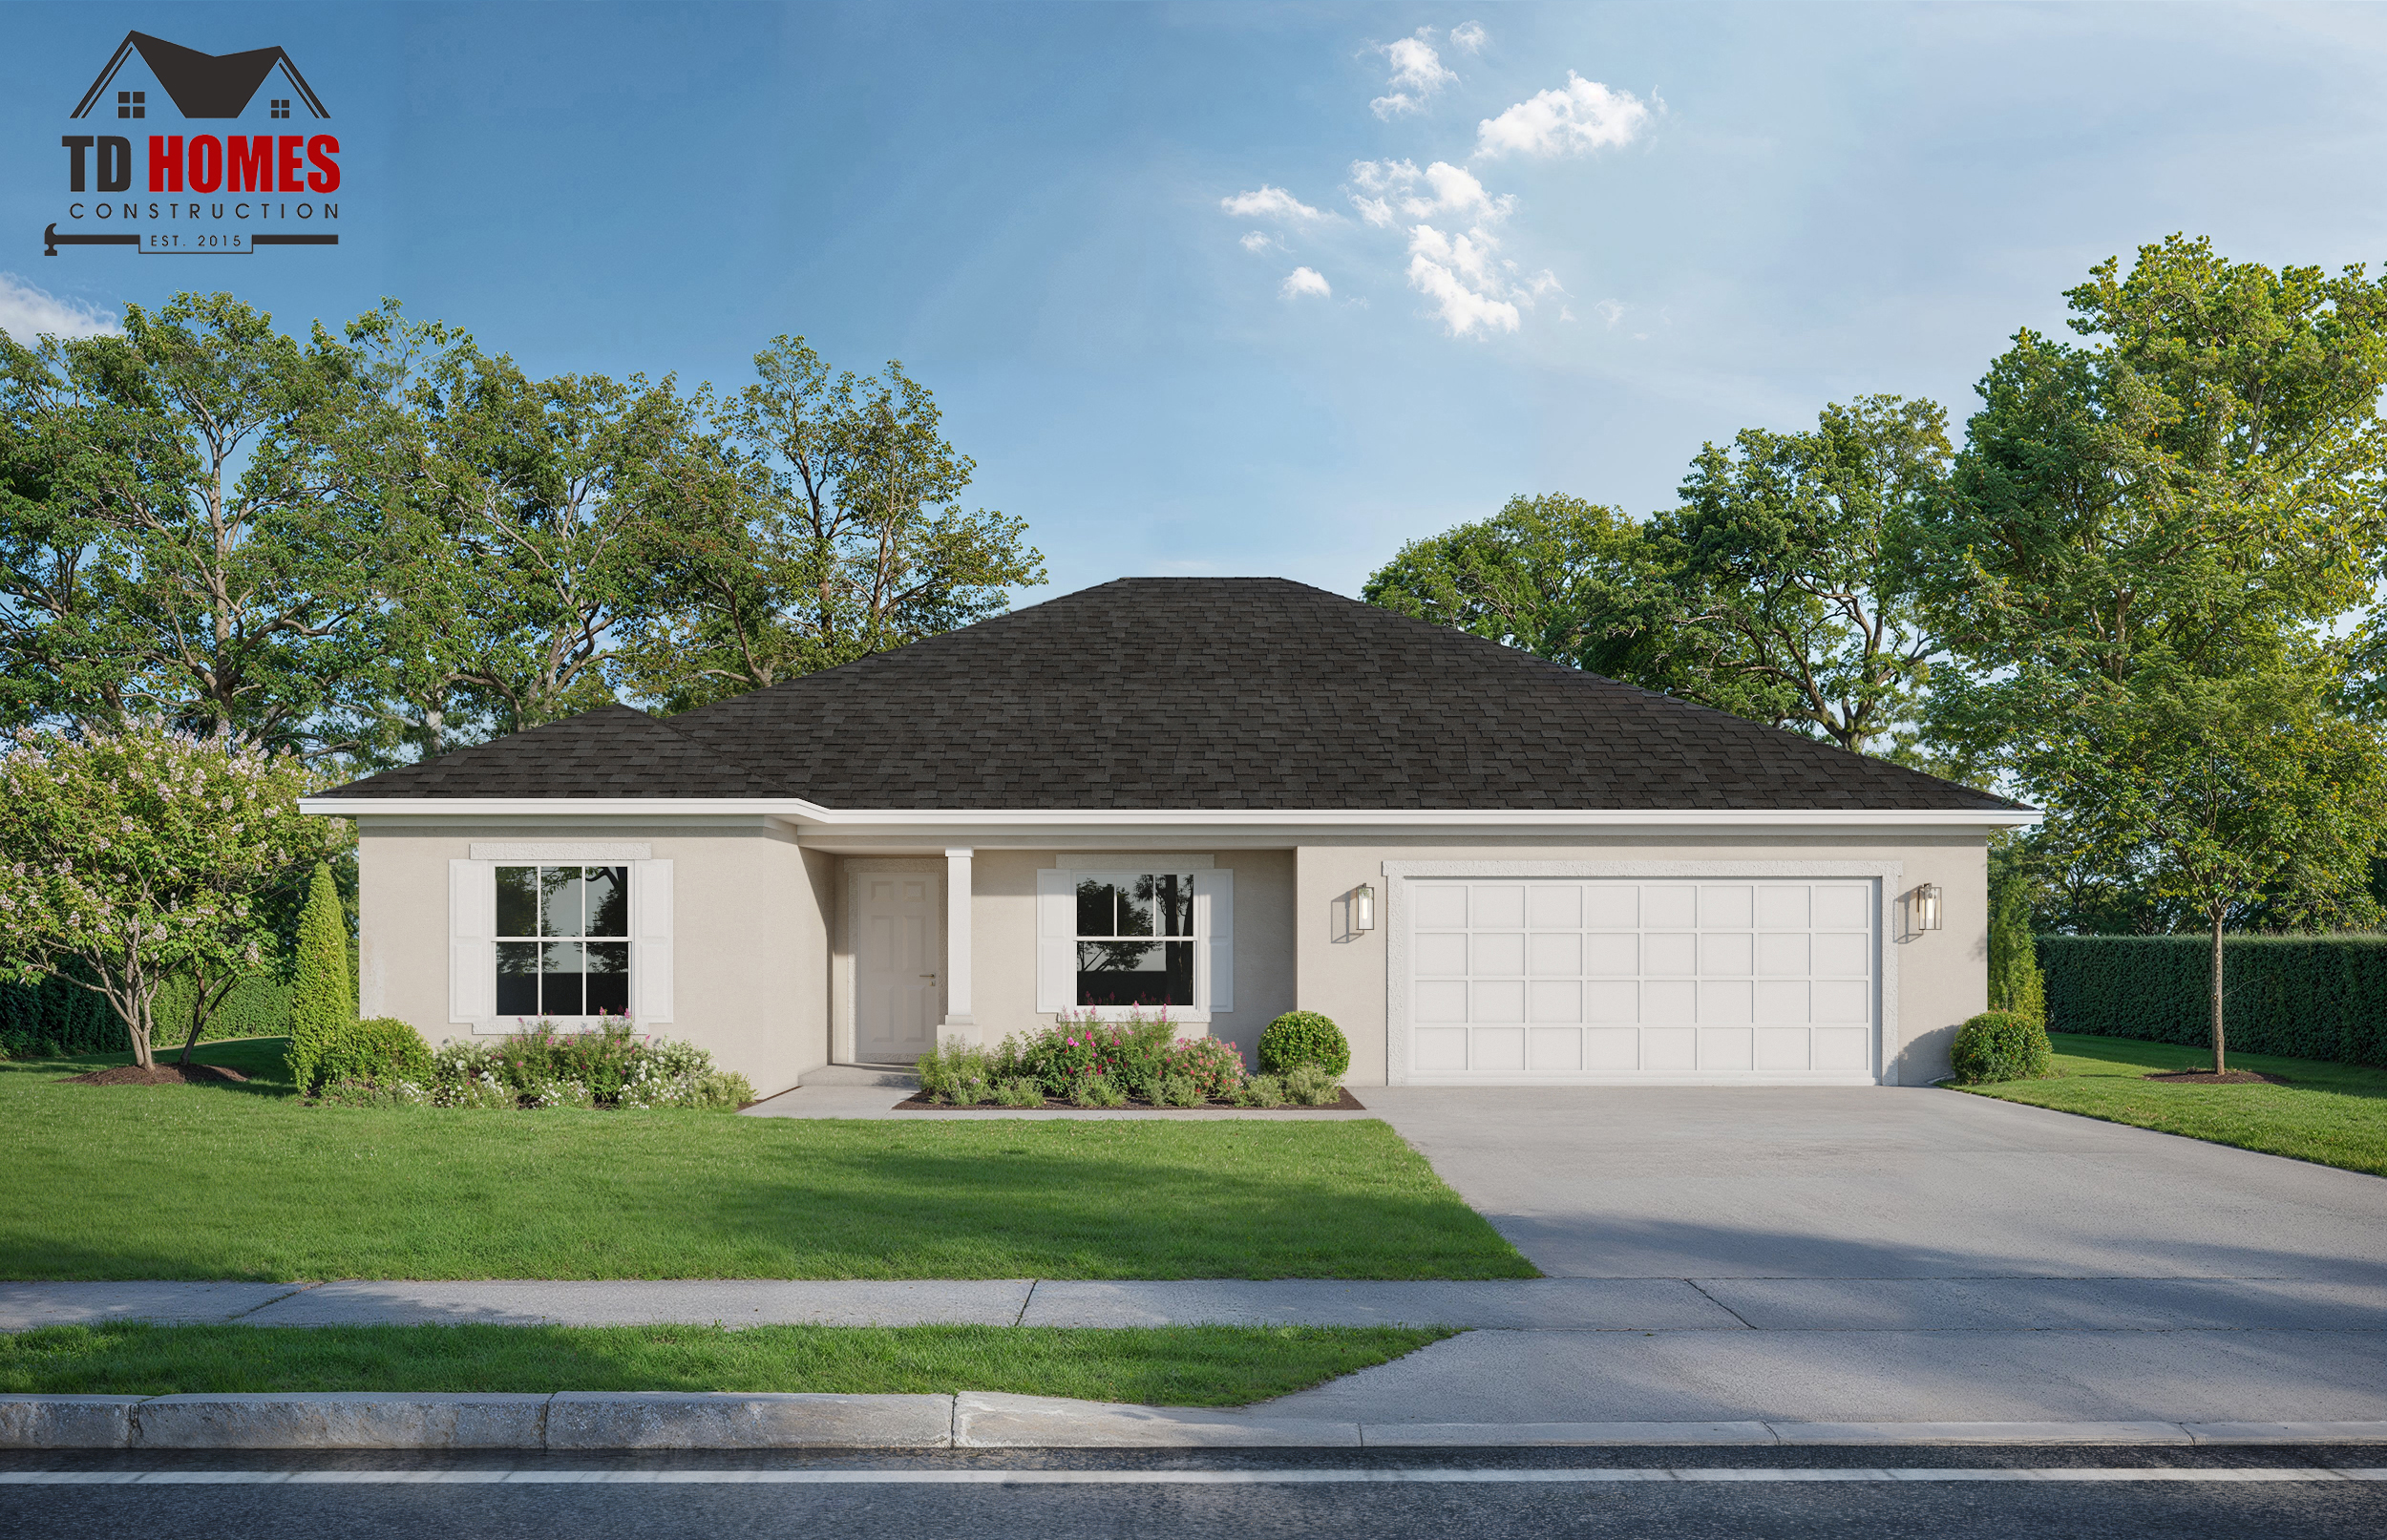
(2334, 1114)
(245, 1182)
(1172, 1365)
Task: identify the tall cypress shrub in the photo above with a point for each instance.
(2014, 982)
(321, 998)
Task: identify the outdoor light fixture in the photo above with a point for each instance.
(1364, 908)
(1927, 907)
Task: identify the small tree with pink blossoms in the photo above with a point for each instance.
(144, 853)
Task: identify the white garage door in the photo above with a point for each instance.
(1684, 980)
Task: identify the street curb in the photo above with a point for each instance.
(737, 1420)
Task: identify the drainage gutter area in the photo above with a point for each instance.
(742, 1420)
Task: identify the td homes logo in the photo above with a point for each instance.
(216, 193)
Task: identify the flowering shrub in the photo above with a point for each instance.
(544, 1067)
(1134, 1058)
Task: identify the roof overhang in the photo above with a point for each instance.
(795, 810)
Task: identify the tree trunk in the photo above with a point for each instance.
(2218, 1039)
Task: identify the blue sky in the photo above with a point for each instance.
(1642, 226)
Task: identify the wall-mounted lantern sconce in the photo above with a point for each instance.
(1364, 908)
(1927, 907)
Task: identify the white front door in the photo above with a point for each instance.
(898, 963)
(1694, 980)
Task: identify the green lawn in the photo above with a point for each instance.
(1174, 1366)
(245, 1182)
(2331, 1114)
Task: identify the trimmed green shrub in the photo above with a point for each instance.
(1312, 1086)
(956, 1072)
(1299, 1038)
(2001, 1045)
(1178, 1090)
(2015, 981)
(1099, 1090)
(2301, 997)
(1261, 1091)
(382, 1050)
(1018, 1092)
(322, 998)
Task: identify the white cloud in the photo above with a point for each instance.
(1306, 281)
(1258, 241)
(27, 312)
(1609, 311)
(1468, 38)
(1270, 204)
(1415, 68)
(1449, 189)
(1455, 272)
(1580, 115)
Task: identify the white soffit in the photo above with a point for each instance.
(809, 813)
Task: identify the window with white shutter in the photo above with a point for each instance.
(1134, 938)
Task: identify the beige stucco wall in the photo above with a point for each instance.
(1002, 950)
(750, 936)
(1942, 976)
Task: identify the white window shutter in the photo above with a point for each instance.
(1056, 940)
(651, 948)
(471, 947)
(1213, 922)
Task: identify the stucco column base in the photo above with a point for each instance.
(960, 1030)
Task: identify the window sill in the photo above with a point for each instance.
(508, 1025)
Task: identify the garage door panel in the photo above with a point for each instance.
(1613, 1052)
(1495, 999)
(1725, 1000)
(1607, 1000)
(1558, 1051)
(1527, 978)
(1843, 954)
(1611, 955)
(1789, 955)
(1728, 953)
(1501, 952)
(1441, 1049)
(1554, 1000)
(1675, 1049)
(1555, 953)
(1440, 1000)
(1501, 1047)
(1670, 952)
(1727, 908)
(1612, 906)
(1491, 907)
(1727, 1049)
(1554, 906)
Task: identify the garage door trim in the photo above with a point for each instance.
(1398, 1031)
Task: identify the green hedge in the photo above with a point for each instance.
(2305, 997)
(78, 1021)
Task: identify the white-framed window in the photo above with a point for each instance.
(1133, 938)
(566, 932)
(562, 940)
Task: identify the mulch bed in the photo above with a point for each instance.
(2206, 1077)
(157, 1075)
(915, 1104)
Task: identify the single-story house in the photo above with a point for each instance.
(1232, 797)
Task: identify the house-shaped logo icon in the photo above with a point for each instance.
(202, 85)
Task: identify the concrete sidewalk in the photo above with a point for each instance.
(1735, 1307)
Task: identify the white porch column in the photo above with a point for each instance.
(958, 942)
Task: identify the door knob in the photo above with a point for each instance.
(928, 976)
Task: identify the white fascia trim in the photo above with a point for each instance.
(809, 812)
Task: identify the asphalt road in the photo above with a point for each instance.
(1932, 1493)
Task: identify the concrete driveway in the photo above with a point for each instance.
(1895, 1255)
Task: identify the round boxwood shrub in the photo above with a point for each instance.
(1299, 1038)
(381, 1049)
(2001, 1045)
